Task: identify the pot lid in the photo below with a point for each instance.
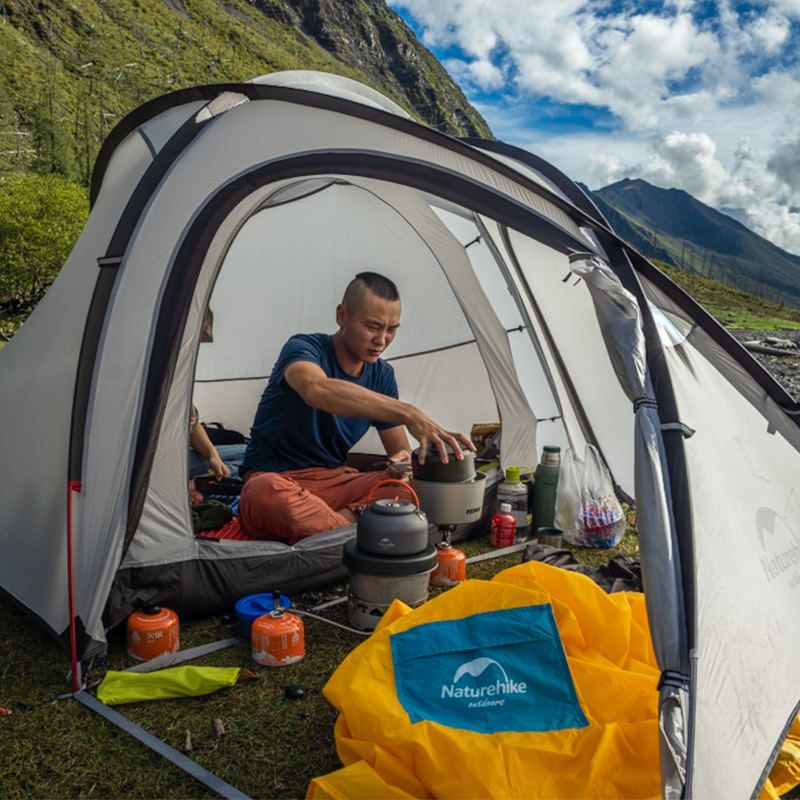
(358, 560)
(432, 452)
(392, 506)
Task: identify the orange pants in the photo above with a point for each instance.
(290, 506)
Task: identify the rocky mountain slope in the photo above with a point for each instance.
(670, 225)
(70, 71)
(778, 352)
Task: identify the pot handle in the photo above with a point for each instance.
(392, 480)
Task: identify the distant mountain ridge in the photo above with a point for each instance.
(672, 226)
(70, 71)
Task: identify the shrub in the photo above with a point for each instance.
(41, 217)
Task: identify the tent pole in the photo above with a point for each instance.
(181, 761)
(72, 486)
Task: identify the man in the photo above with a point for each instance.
(324, 393)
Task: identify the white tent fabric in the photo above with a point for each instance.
(260, 201)
(750, 511)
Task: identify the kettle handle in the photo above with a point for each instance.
(392, 480)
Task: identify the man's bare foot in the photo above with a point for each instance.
(194, 496)
(347, 514)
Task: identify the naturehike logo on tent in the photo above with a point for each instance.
(782, 546)
(485, 694)
(497, 671)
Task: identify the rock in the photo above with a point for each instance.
(777, 352)
(782, 344)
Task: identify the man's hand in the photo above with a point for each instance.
(428, 432)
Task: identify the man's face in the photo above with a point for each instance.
(368, 331)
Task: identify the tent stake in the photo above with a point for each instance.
(205, 777)
(170, 659)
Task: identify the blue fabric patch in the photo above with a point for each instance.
(497, 671)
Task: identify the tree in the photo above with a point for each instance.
(41, 217)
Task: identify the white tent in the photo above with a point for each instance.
(261, 200)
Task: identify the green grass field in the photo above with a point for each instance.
(271, 746)
(734, 307)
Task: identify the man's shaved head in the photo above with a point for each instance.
(365, 283)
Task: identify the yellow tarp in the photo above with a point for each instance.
(785, 773)
(610, 657)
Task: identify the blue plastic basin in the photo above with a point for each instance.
(254, 606)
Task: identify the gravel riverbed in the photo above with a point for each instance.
(785, 367)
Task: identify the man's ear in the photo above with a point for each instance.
(341, 314)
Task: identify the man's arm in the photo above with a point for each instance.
(350, 400)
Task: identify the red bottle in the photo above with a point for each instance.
(503, 525)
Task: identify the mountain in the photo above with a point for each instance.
(70, 70)
(670, 225)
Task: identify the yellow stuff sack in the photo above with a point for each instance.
(164, 684)
(536, 684)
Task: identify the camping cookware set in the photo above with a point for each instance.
(389, 558)
(450, 493)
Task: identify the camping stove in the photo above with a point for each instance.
(448, 503)
(389, 559)
(377, 580)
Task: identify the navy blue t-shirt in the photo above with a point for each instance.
(289, 434)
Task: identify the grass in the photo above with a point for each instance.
(733, 307)
(70, 71)
(272, 746)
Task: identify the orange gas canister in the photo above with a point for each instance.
(451, 564)
(277, 638)
(152, 632)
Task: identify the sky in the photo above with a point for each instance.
(689, 94)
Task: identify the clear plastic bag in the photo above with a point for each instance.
(587, 509)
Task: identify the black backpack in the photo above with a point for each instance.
(218, 434)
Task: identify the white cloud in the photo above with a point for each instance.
(771, 32)
(687, 160)
(488, 77)
(705, 104)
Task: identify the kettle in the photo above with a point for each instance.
(392, 527)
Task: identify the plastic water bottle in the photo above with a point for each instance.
(503, 525)
(545, 485)
(515, 493)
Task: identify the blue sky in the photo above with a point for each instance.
(701, 96)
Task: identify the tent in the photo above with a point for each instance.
(260, 200)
